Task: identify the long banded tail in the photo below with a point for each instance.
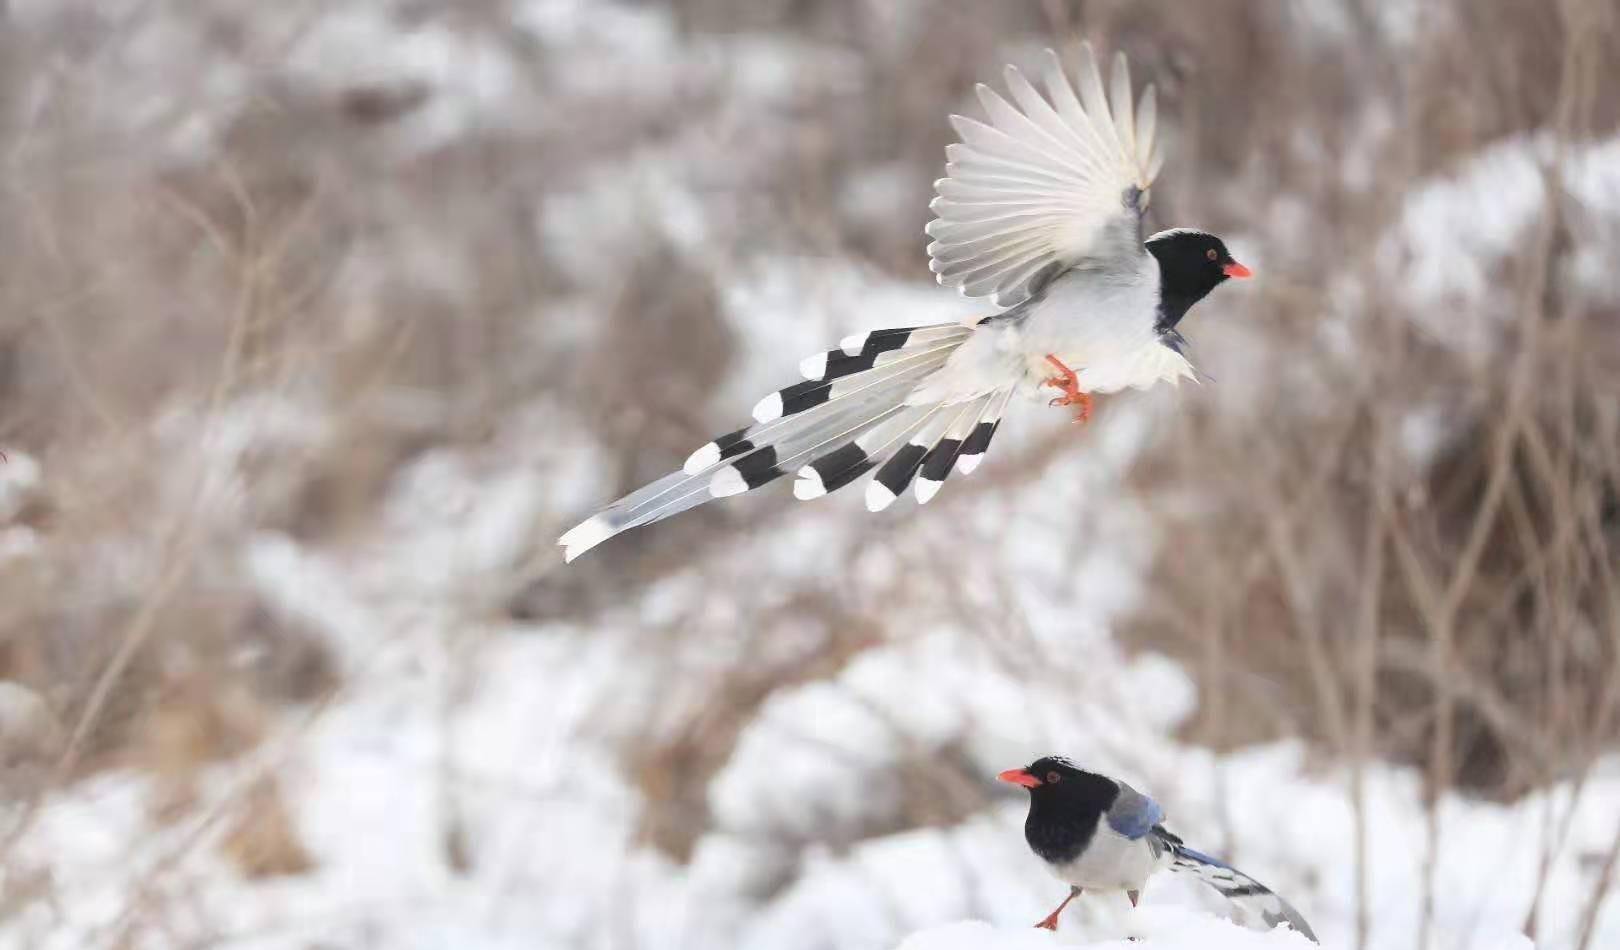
(849, 416)
(1235, 886)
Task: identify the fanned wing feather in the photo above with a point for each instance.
(1048, 179)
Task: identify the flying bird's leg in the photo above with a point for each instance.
(1050, 923)
(1070, 384)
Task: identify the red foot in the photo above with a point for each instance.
(1050, 923)
(1070, 384)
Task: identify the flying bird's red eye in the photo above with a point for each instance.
(1211, 254)
(1052, 778)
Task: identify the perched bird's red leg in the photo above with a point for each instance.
(1050, 923)
(1134, 896)
(1070, 384)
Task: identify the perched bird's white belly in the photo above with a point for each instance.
(1111, 862)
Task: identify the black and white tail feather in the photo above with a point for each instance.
(1234, 885)
(849, 416)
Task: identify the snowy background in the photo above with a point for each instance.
(320, 320)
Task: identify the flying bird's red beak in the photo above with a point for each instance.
(1235, 269)
(1019, 777)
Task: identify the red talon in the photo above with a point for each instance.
(1050, 923)
(1070, 384)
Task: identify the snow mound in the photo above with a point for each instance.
(1163, 930)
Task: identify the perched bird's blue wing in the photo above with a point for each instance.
(1133, 814)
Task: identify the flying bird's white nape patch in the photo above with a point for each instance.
(1172, 232)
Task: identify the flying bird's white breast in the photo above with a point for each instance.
(1102, 324)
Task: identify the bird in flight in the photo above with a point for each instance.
(1099, 834)
(1040, 212)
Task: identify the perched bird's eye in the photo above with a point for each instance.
(1052, 778)
(1211, 254)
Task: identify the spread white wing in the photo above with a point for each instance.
(1049, 181)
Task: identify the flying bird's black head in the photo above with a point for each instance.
(1191, 264)
(1065, 804)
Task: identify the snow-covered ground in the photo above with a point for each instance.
(514, 744)
(485, 781)
(1162, 932)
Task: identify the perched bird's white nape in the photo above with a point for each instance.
(1040, 212)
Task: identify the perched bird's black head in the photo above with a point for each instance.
(1191, 264)
(1064, 805)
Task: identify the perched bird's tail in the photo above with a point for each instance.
(849, 416)
(1235, 886)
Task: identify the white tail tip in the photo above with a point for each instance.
(808, 485)
(701, 460)
(813, 367)
(584, 536)
(768, 409)
(878, 497)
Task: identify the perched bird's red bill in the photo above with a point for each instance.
(1019, 777)
(1235, 269)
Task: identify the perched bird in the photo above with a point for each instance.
(1040, 212)
(1097, 833)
